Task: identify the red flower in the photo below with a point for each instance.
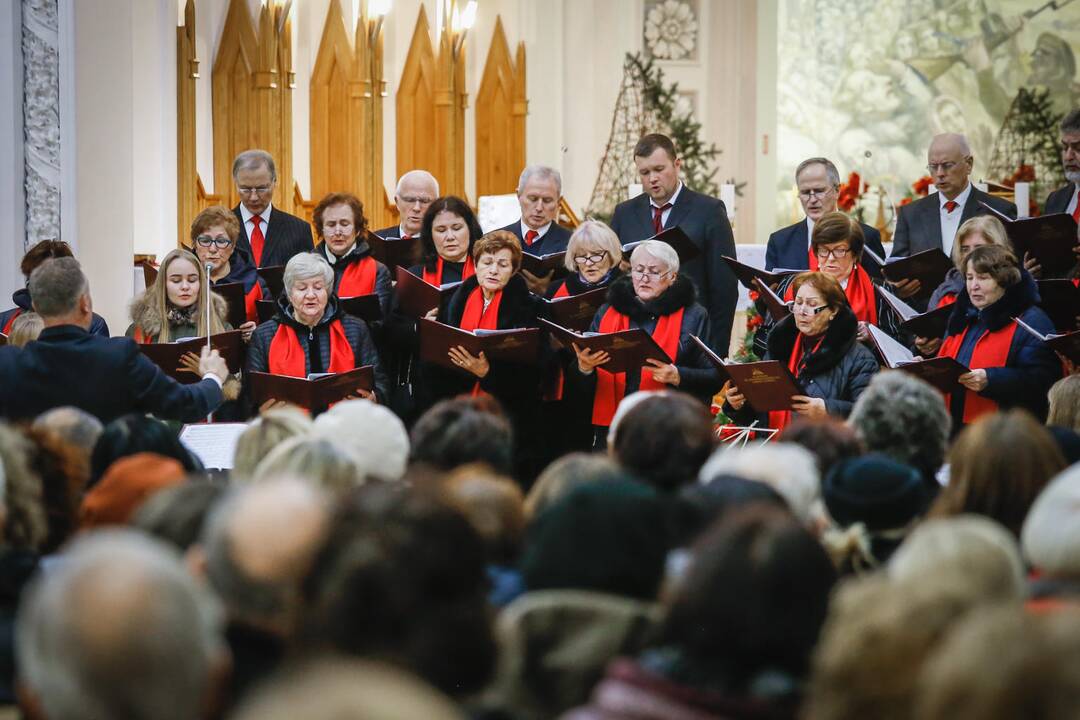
(849, 192)
(754, 295)
(922, 185)
(905, 201)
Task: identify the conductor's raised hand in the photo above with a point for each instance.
(211, 363)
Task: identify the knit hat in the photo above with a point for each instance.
(125, 486)
(874, 490)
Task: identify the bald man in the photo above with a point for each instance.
(415, 192)
(932, 221)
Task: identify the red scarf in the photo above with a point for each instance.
(946, 299)
(813, 261)
(250, 299)
(11, 321)
(562, 292)
(476, 317)
(991, 351)
(779, 419)
(140, 337)
(434, 277)
(287, 357)
(611, 387)
(859, 292)
(358, 278)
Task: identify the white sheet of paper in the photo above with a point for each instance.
(213, 444)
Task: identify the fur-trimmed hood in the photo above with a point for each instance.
(1015, 301)
(621, 296)
(145, 315)
(839, 337)
(359, 251)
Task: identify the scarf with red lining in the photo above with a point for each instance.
(611, 387)
(358, 278)
(991, 351)
(859, 292)
(475, 317)
(779, 419)
(434, 277)
(287, 356)
(11, 321)
(946, 299)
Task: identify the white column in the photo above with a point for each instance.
(12, 207)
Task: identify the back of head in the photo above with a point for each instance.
(997, 467)
(76, 427)
(56, 286)
(371, 433)
(455, 432)
(401, 578)
(263, 434)
(132, 434)
(141, 642)
(126, 485)
(754, 598)
(25, 329)
(607, 537)
(317, 460)
(347, 689)
(493, 506)
(22, 520)
(700, 506)
(972, 548)
(664, 440)
(1051, 533)
(1002, 663)
(177, 514)
(789, 469)
(829, 439)
(905, 418)
(42, 251)
(1064, 399)
(565, 474)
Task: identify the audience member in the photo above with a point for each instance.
(564, 475)
(25, 329)
(997, 467)
(79, 429)
(664, 440)
(316, 460)
(905, 418)
(700, 506)
(829, 439)
(374, 436)
(143, 642)
(132, 434)
(1051, 541)
(789, 469)
(177, 514)
(459, 431)
(1064, 398)
(127, 484)
(62, 471)
(267, 431)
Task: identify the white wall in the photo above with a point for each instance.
(11, 151)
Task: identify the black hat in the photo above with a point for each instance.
(875, 490)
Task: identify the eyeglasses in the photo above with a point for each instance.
(641, 273)
(341, 228)
(803, 308)
(220, 242)
(944, 167)
(590, 259)
(412, 200)
(257, 190)
(811, 193)
(838, 253)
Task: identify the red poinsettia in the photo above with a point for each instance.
(905, 201)
(849, 192)
(921, 187)
(1025, 173)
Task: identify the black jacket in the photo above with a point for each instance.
(356, 332)
(24, 304)
(837, 373)
(697, 376)
(383, 287)
(1058, 201)
(554, 240)
(106, 377)
(575, 285)
(918, 225)
(285, 235)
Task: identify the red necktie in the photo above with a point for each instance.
(951, 205)
(1076, 212)
(530, 237)
(406, 236)
(658, 217)
(257, 240)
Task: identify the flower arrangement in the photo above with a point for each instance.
(1026, 174)
(919, 189)
(850, 192)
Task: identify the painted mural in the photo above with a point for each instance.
(867, 83)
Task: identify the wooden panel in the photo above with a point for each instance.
(187, 72)
(500, 118)
(418, 138)
(335, 162)
(451, 99)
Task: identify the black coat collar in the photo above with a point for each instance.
(1015, 301)
(839, 337)
(681, 294)
(359, 251)
(285, 313)
(575, 285)
(515, 309)
(21, 298)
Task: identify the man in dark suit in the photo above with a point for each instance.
(818, 181)
(667, 203)
(415, 192)
(932, 221)
(538, 191)
(1067, 199)
(106, 377)
(270, 236)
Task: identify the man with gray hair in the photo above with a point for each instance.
(818, 181)
(118, 629)
(1067, 199)
(931, 222)
(106, 377)
(270, 236)
(415, 192)
(538, 191)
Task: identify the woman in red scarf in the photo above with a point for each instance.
(310, 334)
(593, 254)
(657, 299)
(341, 228)
(818, 341)
(213, 239)
(837, 243)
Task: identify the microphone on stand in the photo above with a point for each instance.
(209, 302)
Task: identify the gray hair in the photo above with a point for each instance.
(74, 426)
(1070, 124)
(265, 433)
(789, 469)
(659, 250)
(318, 460)
(423, 175)
(593, 233)
(371, 433)
(543, 172)
(253, 160)
(139, 643)
(905, 418)
(56, 286)
(307, 265)
(1051, 534)
(830, 169)
(24, 525)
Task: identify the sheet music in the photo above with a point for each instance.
(214, 444)
(874, 256)
(1033, 331)
(893, 352)
(905, 311)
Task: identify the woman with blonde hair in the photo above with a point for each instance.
(1064, 397)
(174, 306)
